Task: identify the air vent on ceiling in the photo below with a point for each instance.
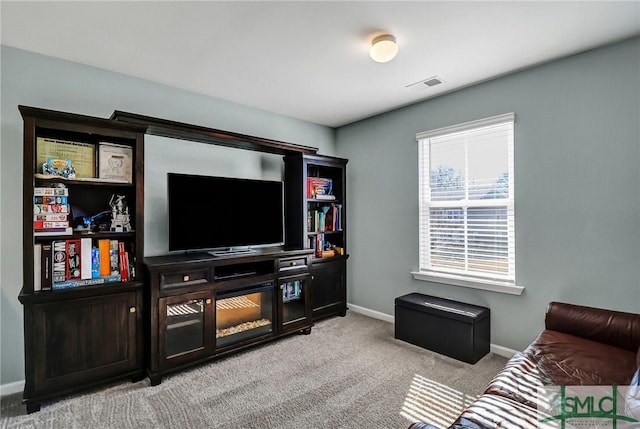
(426, 83)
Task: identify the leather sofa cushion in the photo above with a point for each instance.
(569, 360)
(520, 380)
(615, 328)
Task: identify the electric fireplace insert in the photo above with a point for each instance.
(244, 313)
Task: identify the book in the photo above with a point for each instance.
(131, 260)
(69, 284)
(52, 231)
(105, 263)
(337, 217)
(325, 197)
(328, 218)
(85, 258)
(131, 272)
(46, 268)
(50, 199)
(95, 263)
(51, 217)
(55, 191)
(319, 245)
(41, 224)
(124, 267)
(37, 267)
(50, 208)
(114, 260)
(81, 155)
(73, 259)
(319, 186)
(115, 162)
(320, 223)
(59, 250)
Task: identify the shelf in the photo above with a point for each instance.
(79, 292)
(78, 234)
(81, 181)
(312, 233)
(321, 201)
(326, 258)
(329, 258)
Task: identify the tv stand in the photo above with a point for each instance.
(203, 307)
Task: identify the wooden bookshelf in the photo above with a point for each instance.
(80, 336)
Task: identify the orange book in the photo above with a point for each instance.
(105, 262)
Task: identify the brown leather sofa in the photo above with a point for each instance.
(580, 345)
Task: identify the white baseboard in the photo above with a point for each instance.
(502, 351)
(371, 313)
(11, 388)
(493, 348)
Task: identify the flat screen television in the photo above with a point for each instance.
(223, 213)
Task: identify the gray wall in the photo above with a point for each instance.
(162, 157)
(577, 184)
(577, 158)
(46, 82)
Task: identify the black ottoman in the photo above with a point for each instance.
(455, 329)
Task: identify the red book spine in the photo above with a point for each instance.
(124, 266)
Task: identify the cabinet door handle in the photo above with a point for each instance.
(208, 301)
(132, 310)
(185, 278)
(293, 264)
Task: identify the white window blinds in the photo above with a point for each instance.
(466, 199)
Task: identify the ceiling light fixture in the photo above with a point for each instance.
(383, 48)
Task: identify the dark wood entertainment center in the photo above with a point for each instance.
(201, 281)
(164, 313)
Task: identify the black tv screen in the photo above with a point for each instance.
(207, 212)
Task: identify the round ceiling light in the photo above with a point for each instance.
(383, 48)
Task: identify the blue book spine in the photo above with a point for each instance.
(95, 263)
(69, 284)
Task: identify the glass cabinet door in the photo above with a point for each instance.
(294, 300)
(185, 319)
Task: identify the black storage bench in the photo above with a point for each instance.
(451, 328)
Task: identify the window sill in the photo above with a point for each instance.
(452, 279)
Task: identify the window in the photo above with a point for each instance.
(466, 199)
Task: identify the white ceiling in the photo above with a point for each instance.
(309, 59)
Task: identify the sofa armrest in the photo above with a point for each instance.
(615, 328)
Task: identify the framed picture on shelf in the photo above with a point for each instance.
(81, 155)
(115, 162)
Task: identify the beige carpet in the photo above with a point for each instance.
(349, 373)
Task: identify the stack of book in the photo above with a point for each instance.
(327, 219)
(65, 264)
(51, 211)
(320, 188)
